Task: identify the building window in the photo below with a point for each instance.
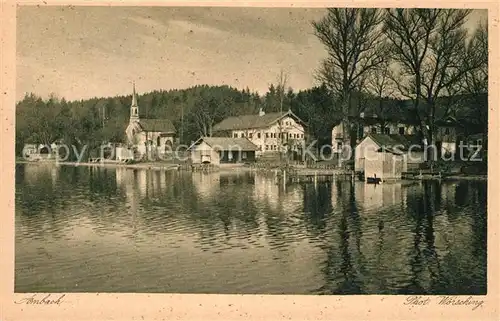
(250, 135)
(242, 135)
(446, 131)
(302, 135)
(279, 135)
(339, 146)
(243, 155)
(274, 147)
(374, 130)
(401, 130)
(387, 130)
(267, 135)
(267, 147)
(235, 135)
(258, 135)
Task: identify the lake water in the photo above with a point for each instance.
(82, 229)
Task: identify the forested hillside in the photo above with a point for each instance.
(193, 111)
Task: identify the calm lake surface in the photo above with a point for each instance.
(81, 229)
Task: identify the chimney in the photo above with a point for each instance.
(261, 112)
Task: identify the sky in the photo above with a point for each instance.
(84, 52)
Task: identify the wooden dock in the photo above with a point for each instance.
(312, 176)
(418, 175)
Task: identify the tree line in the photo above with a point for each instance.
(193, 111)
(376, 60)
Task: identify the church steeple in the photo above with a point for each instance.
(134, 108)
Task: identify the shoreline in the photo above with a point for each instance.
(105, 164)
(238, 167)
(149, 165)
(451, 178)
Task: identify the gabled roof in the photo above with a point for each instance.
(157, 125)
(394, 141)
(253, 121)
(371, 120)
(448, 121)
(476, 136)
(226, 143)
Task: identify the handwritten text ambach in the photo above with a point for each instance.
(444, 300)
(48, 299)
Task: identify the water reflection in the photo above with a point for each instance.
(207, 185)
(166, 231)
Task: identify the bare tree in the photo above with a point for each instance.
(429, 47)
(380, 85)
(477, 78)
(475, 82)
(353, 38)
(280, 88)
(204, 116)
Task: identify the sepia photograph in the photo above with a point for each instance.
(328, 151)
(308, 155)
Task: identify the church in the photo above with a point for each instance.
(148, 136)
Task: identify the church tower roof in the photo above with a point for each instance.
(134, 108)
(134, 97)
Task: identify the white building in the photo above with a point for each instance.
(387, 156)
(370, 125)
(217, 150)
(273, 132)
(445, 135)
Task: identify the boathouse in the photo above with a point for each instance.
(387, 156)
(219, 150)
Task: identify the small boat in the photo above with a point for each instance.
(373, 180)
